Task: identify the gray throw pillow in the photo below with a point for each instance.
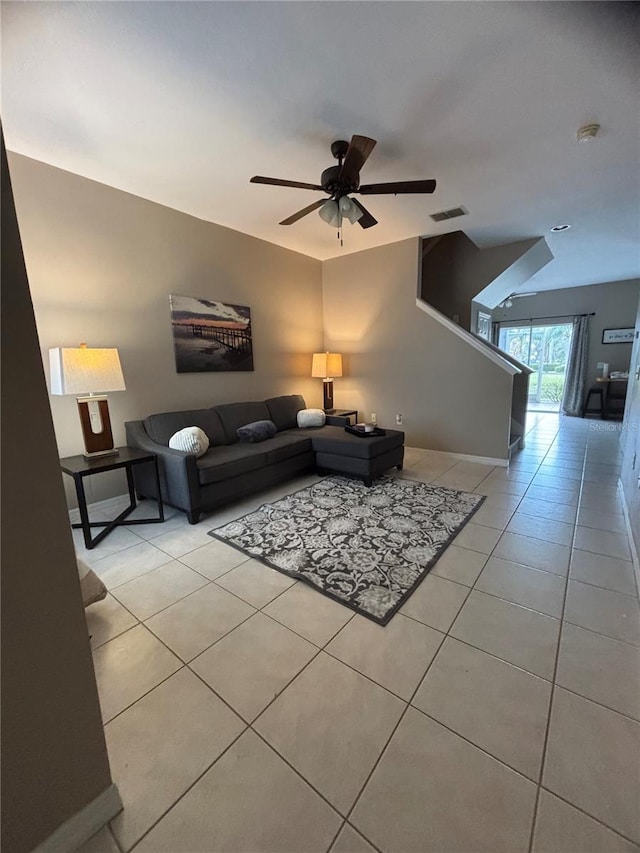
(257, 431)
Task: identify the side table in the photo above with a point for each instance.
(79, 467)
(344, 413)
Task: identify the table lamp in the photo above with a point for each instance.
(326, 366)
(89, 372)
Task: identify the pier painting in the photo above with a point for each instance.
(210, 335)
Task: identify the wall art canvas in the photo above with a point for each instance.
(210, 335)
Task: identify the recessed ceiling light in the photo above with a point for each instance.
(587, 133)
(557, 228)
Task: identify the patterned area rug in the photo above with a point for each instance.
(367, 548)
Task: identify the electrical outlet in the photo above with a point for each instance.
(399, 419)
(374, 418)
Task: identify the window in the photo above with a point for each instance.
(545, 349)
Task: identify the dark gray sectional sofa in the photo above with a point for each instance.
(231, 469)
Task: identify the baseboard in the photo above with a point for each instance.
(632, 543)
(465, 457)
(105, 504)
(73, 833)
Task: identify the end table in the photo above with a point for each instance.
(80, 467)
(344, 413)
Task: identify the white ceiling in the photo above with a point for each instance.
(183, 102)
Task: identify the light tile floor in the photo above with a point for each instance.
(498, 711)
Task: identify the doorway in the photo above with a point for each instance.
(544, 347)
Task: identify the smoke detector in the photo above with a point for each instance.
(557, 228)
(588, 133)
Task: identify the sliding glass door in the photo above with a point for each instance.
(544, 348)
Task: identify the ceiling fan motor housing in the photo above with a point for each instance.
(330, 183)
(329, 179)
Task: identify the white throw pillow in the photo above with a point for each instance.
(190, 440)
(311, 418)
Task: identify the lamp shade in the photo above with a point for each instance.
(84, 370)
(326, 365)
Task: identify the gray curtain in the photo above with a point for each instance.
(576, 382)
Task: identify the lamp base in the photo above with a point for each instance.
(98, 453)
(327, 388)
(96, 426)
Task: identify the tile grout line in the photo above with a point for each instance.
(407, 706)
(184, 664)
(409, 703)
(596, 819)
(551, 696)
(248, 725)
(553, 691)
(324, 648)
(357, 832)
(208, 582)
(186, 791)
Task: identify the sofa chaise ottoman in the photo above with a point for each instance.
(232, 469)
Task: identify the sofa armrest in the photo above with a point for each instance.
(179, 481)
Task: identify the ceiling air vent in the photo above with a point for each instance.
(448, 214)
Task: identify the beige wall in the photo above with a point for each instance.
(448, 280)
(101, 266)
(614, 304)
(455, 271)
(399, 359)
(54, 760)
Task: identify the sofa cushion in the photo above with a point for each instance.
(162, 426)
(257, 431)
(223, 463)
(284, 410)
(235, 415)
(284, 446)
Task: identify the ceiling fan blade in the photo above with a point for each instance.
(398, 188)
(277, 182)
(367, 220)
(357, 153)
(308, 209)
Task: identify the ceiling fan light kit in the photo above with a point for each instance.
(330, 213)
(342, 180)
(349, 209)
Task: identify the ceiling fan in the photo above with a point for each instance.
(341, 180)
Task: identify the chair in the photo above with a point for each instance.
(594, 392)
(615, 399)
